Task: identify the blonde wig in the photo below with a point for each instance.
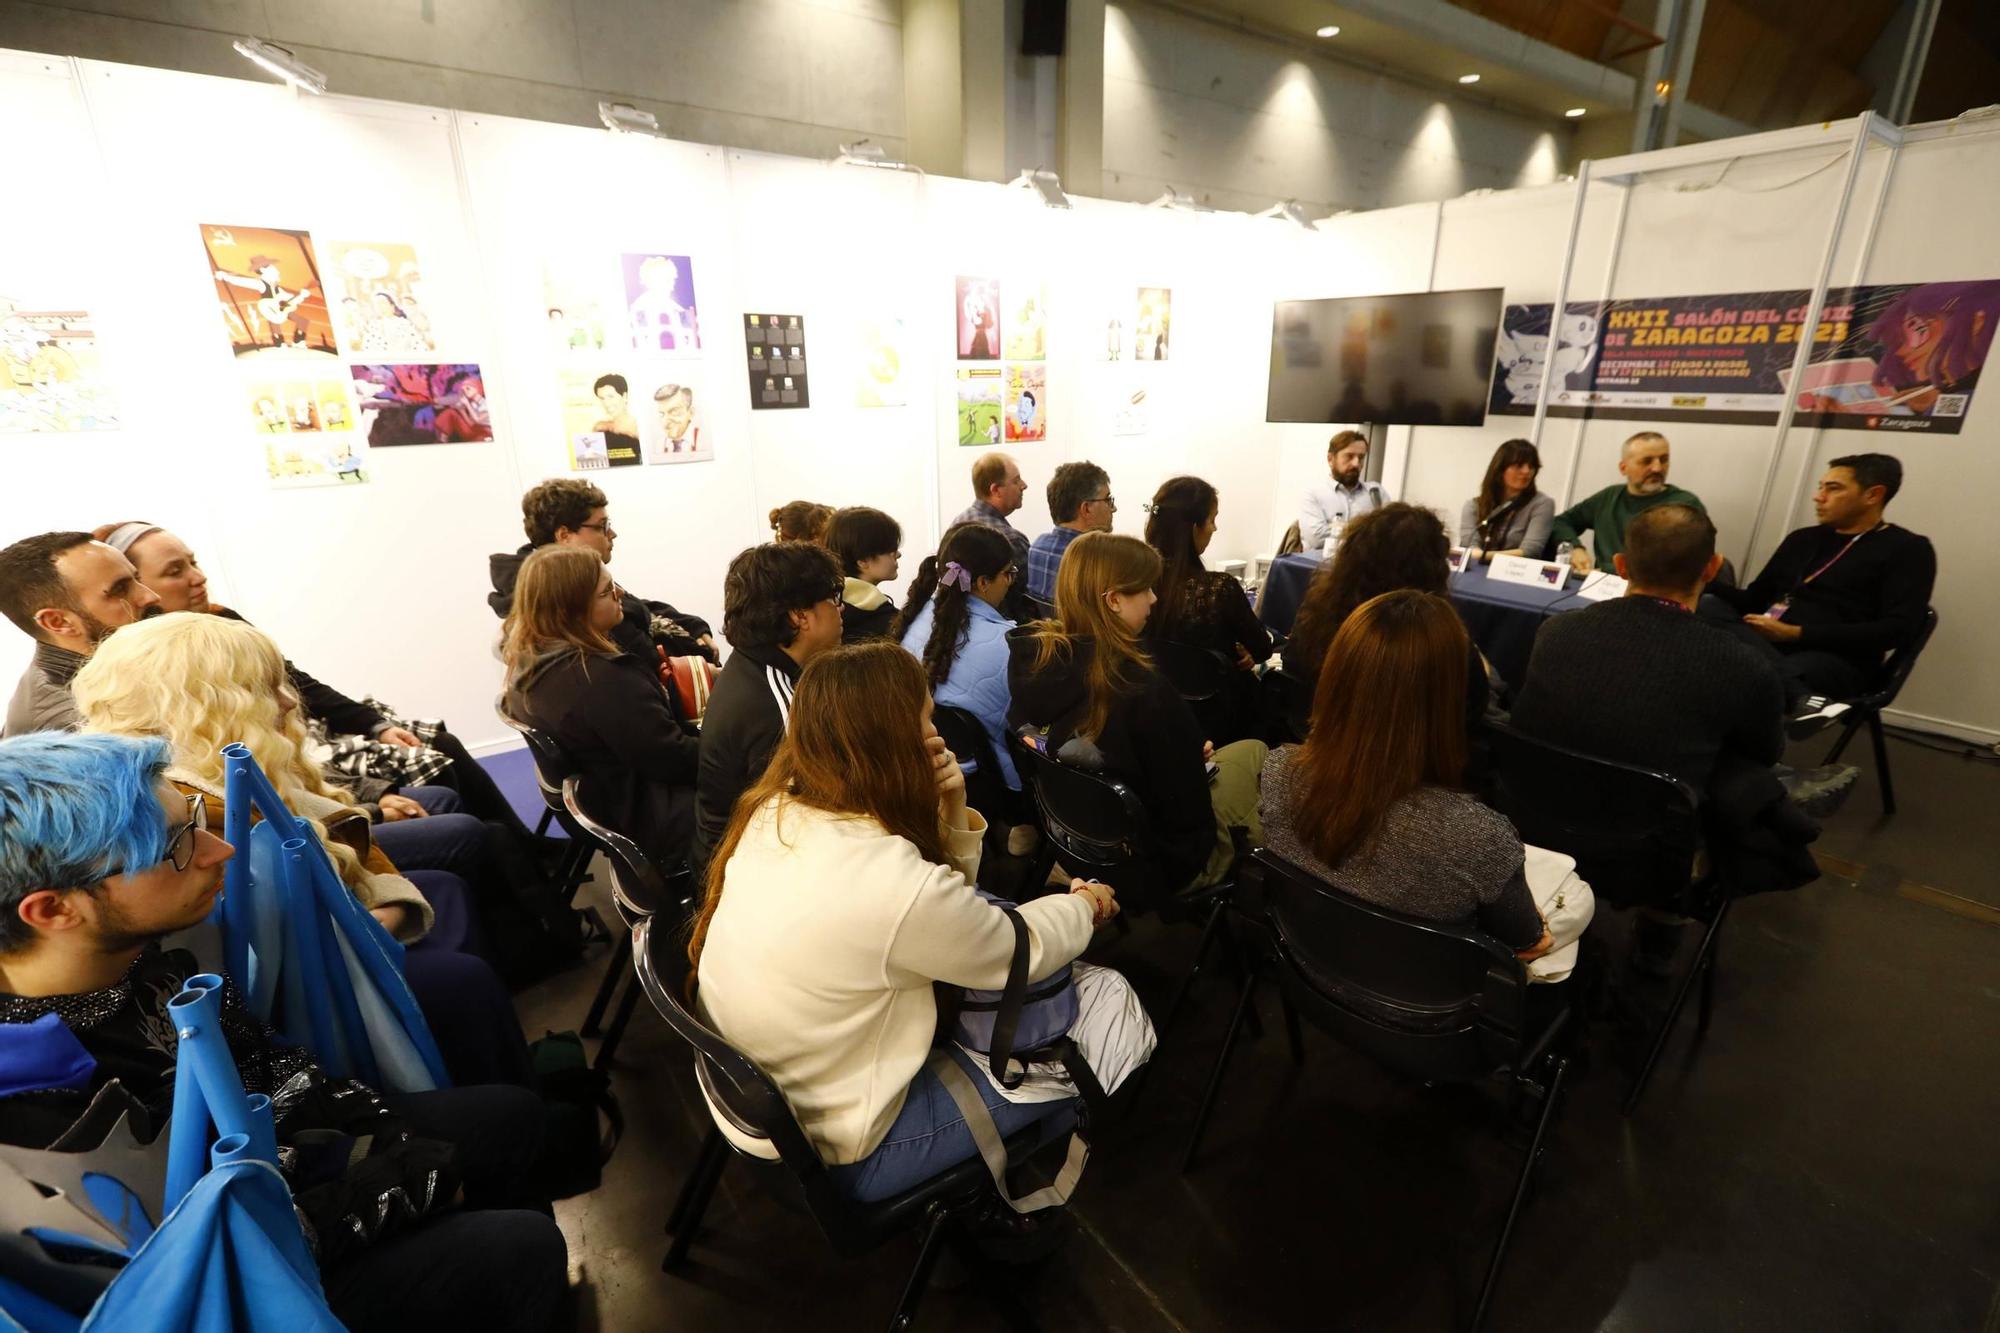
(201, 682)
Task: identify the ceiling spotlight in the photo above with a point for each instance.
(281, 62)
(1180, 200)
(1574, 112)
(1046, 184)
(624, 118)
(1330, 30)
(1468, 78)
(1292, 211)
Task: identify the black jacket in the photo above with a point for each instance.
(635, 634)
(1870, 601)
(343, 716)
(1151, 742)
(865, 613)
(612, 718)
(746, 718)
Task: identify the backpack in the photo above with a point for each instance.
(575, 1098)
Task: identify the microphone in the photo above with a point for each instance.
(1499, 511)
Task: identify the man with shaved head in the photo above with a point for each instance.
(1605, 515)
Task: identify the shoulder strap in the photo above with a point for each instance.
(1007, 1018)
(993, 1150)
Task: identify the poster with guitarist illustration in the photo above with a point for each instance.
(271, 291)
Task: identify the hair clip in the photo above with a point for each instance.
(1149, 508)
(957, 575)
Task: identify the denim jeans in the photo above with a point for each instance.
(929, 1134)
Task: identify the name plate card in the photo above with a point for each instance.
(1529, 573)
(1601, 586)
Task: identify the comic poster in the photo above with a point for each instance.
(270, 290)
(574, 305)
(660, 304)
(1027, 334)
(308, 433)
(775, 346)
(979, 406)
(1130, 412)
(598, 419)
(422, 404)
(1152, 323)
(1897, 357)
(880, 382)
(50, 379)
(978, 319)
(1027, 402)
(672, 429)
(380, 310)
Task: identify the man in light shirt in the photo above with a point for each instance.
(1343, 497)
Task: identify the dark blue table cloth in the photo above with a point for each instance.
(1501, 617)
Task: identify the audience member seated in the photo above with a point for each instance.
(67, 592)
(997, 491)
(1509, 516)
(800, 521)
(780, 609)
(568, 511)
(1398, 546)
(867, 543)
(859, 829)
(200, 683)
(1203, 607)
(102, 861)
(1084, 682)
(1374, 801)
(386, 764)
(1641, 680)
(956, 629)
(1079, 502)
(605, 708)
(1836, 597)
(1643, 462)
(1343, 497)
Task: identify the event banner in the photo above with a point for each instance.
(1900, 357)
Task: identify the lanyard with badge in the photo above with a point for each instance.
(1784, 604)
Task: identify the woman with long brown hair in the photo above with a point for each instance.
(1509, 516)
(606, 708)
(1086, 685)
(842, 888)
(1372, 801)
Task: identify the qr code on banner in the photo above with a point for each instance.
(1951, 404)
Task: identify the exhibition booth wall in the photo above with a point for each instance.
(136, 184)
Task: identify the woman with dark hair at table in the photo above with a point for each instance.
(1396, 546)
(1509, 516)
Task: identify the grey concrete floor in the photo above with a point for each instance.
(1825, 1158)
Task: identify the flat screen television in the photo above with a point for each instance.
(1411, 359)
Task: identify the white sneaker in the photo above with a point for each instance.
(1814, 716)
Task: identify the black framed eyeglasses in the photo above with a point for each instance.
(604, 527)
(180, 842)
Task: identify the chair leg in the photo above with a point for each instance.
(935, 1224)
(1221, 1065)
(1882, 763)
(1200, 956)
(1561, 1066)
(714, 1148)
(548, 818)
(1701, 962)
(621, 964)
(693, 1208)
(1707, 1010)
(1840, 746)
(1292, 1031)
(619, 1021)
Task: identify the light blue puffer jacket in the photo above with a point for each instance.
(978, 679)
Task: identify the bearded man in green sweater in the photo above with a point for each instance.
(1643, 463)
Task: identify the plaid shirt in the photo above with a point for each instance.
(987, 516)
(1045, 558)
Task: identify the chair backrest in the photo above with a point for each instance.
(985, 787)
(1432, 1000)
(552, 765)
(1290, 543)
(1198, 673)
(639, 887)
(1096, 823)
(1292, 699)
(1897, 668)
(1040, 609)
(744, 1093)
(1633, 832)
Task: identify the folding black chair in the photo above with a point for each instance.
(1866, 709)
(985, 787)
(756, 1109)
(552, 765)
(1291, 702)
(1432, 1002)
(640, 891)
(1201, 675)
(1636, 837)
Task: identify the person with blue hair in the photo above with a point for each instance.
(101, 857)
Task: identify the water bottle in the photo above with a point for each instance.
(1332, 542)
(1562, 553)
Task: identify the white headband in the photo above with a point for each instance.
(125, 535)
